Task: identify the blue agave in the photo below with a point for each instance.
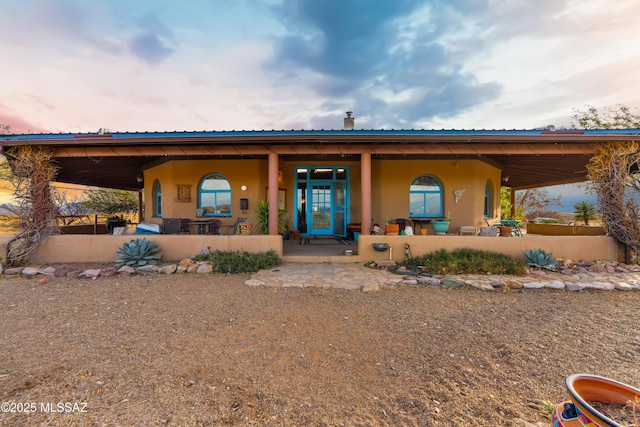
(541, 259)
(137, 253)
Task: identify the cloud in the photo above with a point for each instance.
(374, 56)
(151, 44)
(150, 48)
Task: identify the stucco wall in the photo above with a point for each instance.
(103, 248)
(588, 248)
(392, 179)
(390, 187)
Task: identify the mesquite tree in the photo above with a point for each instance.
(614, 174)
(33, 172)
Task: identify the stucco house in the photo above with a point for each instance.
(327, 181)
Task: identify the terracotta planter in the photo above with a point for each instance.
(505, 231)
(423, 231)
(584, 390)
(392, 229)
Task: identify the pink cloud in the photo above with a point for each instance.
(20, 125)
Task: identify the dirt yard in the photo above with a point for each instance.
(208, 350)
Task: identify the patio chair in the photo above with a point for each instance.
(235, 228)
(171, 225)
(213, 227)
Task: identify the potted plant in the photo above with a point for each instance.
(391, 228)
(262, 218)
(442, 226)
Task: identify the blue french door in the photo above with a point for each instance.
(321, 208)
(322, 200)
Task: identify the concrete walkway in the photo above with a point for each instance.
(608, 276)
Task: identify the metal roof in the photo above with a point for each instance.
(530, 158)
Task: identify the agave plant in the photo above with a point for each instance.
(541, 259)
(137, 253)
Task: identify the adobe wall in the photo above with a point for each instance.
(390, 187)
(102, 248)
(61, 249)
(588, 248)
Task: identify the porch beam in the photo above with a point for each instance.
(259, 150)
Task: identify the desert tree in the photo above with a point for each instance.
(614, 175)
(584, 211)
(618, 117)
(32, 172)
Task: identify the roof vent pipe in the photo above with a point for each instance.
(349, 122)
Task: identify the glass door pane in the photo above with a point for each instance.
(339, 209)
(321, 209)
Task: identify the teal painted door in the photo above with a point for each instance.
(321, 209)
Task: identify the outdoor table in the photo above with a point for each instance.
(202, 225)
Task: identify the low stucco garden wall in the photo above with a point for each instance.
(103, 248)
(588, 248)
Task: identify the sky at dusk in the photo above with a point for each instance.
(153, 65)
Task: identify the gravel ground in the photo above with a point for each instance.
(186, 350)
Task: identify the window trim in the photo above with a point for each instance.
(215, 193)
(424, 200)
(157, 198)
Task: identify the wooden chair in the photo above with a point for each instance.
(171, 225)
(184, 226)
(213, 227)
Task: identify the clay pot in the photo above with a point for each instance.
(392, 229)
(505, 231)
(591, 388)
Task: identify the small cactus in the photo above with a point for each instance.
(541, 259)
(137, 253)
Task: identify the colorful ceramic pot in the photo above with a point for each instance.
(585, 388)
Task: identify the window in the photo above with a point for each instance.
(157, 198)
(425, 197)
(214, 196)
(487, 200)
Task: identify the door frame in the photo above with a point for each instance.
(303, 216)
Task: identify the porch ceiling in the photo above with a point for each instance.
(528, 158)
(524, 171)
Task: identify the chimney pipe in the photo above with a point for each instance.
(349, 122)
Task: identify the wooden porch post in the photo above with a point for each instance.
(513, 203)
(140, 210)
(273, 193)
(365, 196)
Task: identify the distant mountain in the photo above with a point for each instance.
(569, 195)
(568, 201)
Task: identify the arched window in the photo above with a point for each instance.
(425, 197)
(157, 198)
(214, 196)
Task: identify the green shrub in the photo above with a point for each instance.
(239, 261)
(469, 261)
